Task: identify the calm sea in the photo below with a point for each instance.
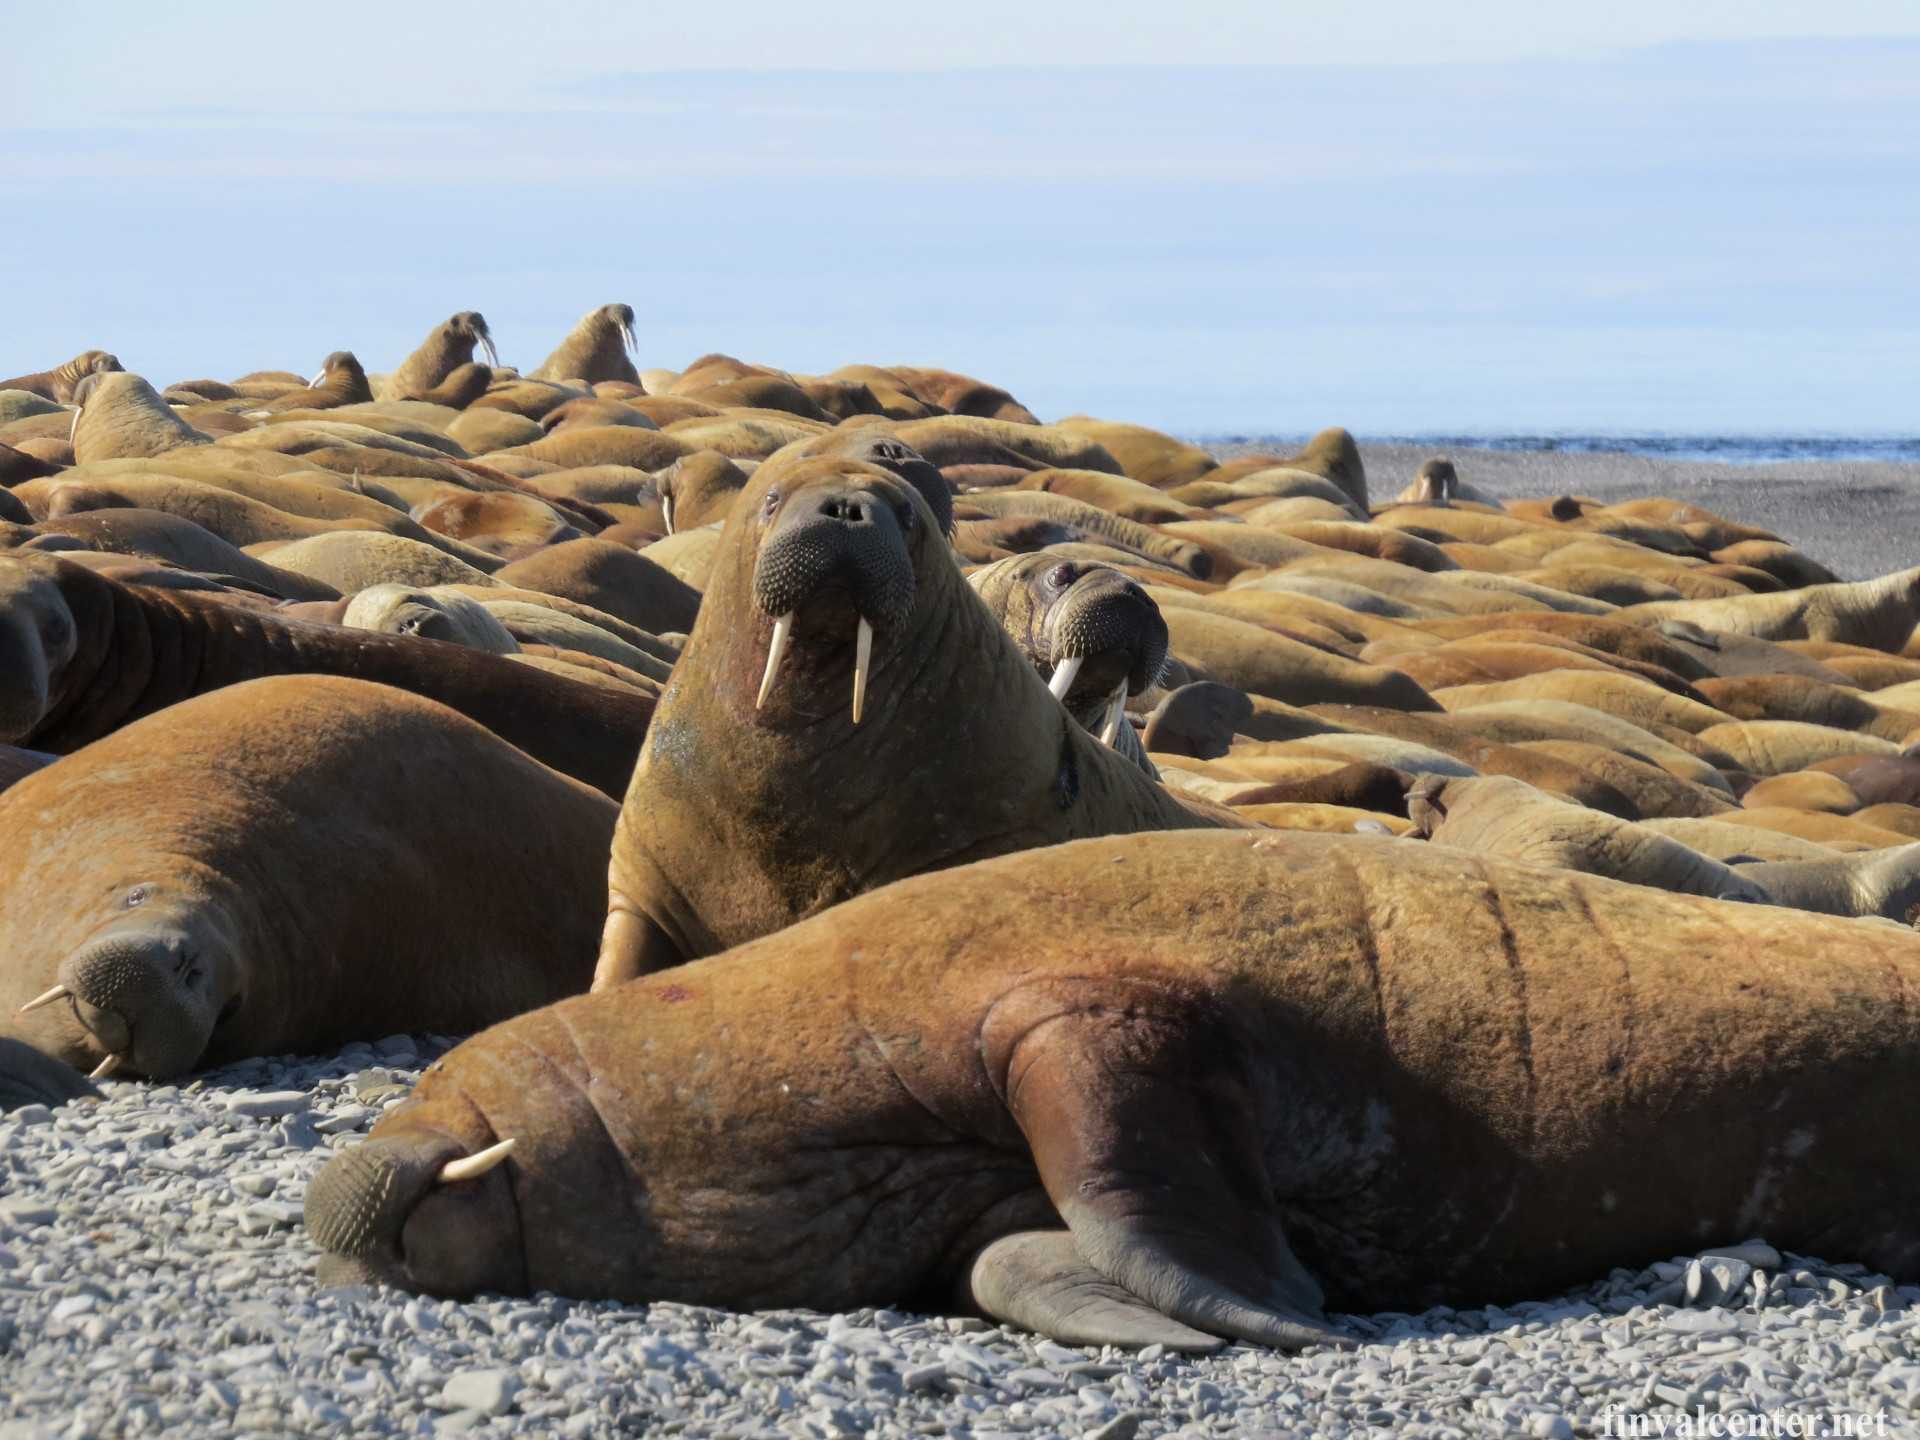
(1723, 449)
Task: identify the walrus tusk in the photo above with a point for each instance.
(493, 355)
(1116, 714)
(472, 1167)
(862, 658)
(1064, 675)
(318, 377)
(74, 428)
(666, 511)
(105, 1068)
(782, 628)
(58, 992)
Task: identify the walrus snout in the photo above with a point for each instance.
(1103, 615)
(147, 996)
(412, 1208)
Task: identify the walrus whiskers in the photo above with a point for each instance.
(1064, 675)
(58, 992)
(862, 658)
(472, 1167)
(782, 628)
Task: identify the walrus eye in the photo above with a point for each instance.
(773, 504)
(138, 896)
(1060, 577)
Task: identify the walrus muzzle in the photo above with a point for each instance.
(147, 996)
(850, 544)
(1107, 637)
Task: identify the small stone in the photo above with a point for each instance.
(925, 1377)
(1700, 1323)
(26, 1213)
(1717, 1280)
(1757, 1253)
(490, 1392)
(1121, 1427)
(266, 1104)
(259, 1186)
(1550, 1427)
(31, 1115)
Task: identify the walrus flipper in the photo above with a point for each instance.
(29, 1078)
(1144, 1134)
(1038, 1280)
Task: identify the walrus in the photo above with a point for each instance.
(1878, 614)
(81, 655)
(1875, 882)
(464, 385)
(1497, 816)
(447, 347)
(1435, 483)
(845, 712)
(1166, 1089)
(595, 349)
(60, 382)
(286, 865)
(121, 416)
(1091, 633)
(340, 381)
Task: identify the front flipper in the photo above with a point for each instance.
(1036, 1279)
(1137, 1104)
(29, 1078)
(631, 945)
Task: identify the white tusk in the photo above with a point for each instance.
(74, 428)
(1116, 714)
(472, 1167)
(105, 1068)
(782, 628)
(862, 658)
(666, 510)
(321, 375)
(1064, 675)
(493, 355)
(59, 992)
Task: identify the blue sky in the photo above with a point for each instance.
(1401, 218)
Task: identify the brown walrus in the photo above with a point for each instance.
(1091, 633)
(287, 865)
(121, 417)
(447, 347)
(341, 381)
(59, 382)
(81, 655)
(1163, 1088)
(595, 349)
(845, 712)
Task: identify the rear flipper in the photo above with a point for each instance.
(1036, 1279)
(29, 1078)
(1137, 1107)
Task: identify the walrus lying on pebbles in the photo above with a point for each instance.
(287, 865)
(846, 712)
(81, 655)
(1167, 1088)
(1092, 634)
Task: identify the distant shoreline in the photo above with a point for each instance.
(1751, 449)
(1858, 517)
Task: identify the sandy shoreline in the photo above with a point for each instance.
(1859, 518)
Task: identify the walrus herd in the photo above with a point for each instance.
(894, 849)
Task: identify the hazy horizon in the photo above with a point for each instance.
(1697, 236)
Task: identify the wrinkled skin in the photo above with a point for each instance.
(1212, 1078)
(1059, 611)
(341, 381)
(747, 813)
(287, 865)
(81, 655)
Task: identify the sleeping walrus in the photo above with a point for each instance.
(1167, 1088)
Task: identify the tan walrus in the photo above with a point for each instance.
(845, 712)
(81, 655)
(284, 866)
(59, 383)
(1164, 1088)
(595, 349)
(448, 346)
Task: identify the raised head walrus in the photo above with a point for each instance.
(447, 347)
(846, 712)
(1092, 634)
(81, 655)
(595, 349)
(284, 866)
(1163, 1088)
(122, 417)
(59, 383)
